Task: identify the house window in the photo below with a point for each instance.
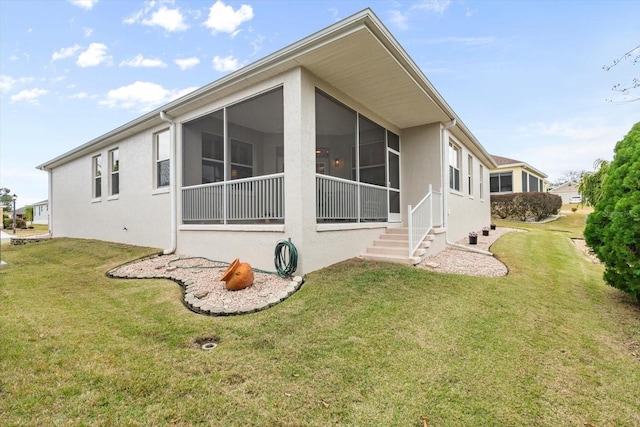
(454, 167)
(97, 176)
(162, 149)
(470, 175)
(525, 179)
(481, 180)
(501, 182)
(114, 167)
(533, 183)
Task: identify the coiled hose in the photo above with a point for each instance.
(285, 258)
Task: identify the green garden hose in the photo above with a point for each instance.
(285, 258)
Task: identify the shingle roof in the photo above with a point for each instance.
(501, 161)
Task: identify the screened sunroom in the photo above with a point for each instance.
(233, 163)
(357, 166)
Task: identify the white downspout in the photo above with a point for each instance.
(445, 191)
(172, 183)
(50, 203)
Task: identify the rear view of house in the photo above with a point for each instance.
(330, 142)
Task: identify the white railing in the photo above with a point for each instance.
(423, 217)
(256, 199)
(340, 199)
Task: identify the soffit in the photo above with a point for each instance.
(359, 66)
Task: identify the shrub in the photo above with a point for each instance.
(613, 229)
(8, 223)
(522, 206)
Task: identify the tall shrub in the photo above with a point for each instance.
(613, 229)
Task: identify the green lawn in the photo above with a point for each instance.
(362, 344)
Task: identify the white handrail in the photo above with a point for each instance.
(420, 219)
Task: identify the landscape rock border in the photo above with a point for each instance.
(198, 286)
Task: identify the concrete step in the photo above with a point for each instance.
(391, 258)
(399, 237)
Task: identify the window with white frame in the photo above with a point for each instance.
(114, 167)
(481, 180)
(97, 176)
(470, 175)
(454, 167)
(162, 150)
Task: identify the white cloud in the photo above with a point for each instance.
(81, 95)
(29, 95)
(224, 19)
(85, 4)
(436, 6)
(186, 63)
(7, 82)
(65, 52)
(95, 54)
(228, 63)
(398, 19)
(169, 19)
(142, 96)
(257, 44)
(566, 146)
(140, 61)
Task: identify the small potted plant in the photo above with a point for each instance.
(473, 238)
(485, 231)
(493, 226)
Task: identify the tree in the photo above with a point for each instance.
(590, 187)
(613, 229)
(6, 201)
(627, 90)
(569, 176)
(28, 214)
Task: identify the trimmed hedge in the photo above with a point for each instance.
(524, 206)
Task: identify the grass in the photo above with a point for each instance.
(37, 229)
(361, 343)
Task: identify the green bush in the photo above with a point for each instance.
(523, 206)
(613, 229)
(8, 223)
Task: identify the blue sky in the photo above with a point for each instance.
(525, 77)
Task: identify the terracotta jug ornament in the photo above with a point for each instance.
(238, 276)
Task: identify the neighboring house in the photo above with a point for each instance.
(326, 142)
(41, 212)
(515, 176)
(566, 191)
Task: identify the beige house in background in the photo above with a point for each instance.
(515, 176)
(337, 142)
(566, 191)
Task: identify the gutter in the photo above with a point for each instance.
(172, 183)
(445, 192)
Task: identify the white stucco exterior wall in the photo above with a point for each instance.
(143, 211)
(468, 212)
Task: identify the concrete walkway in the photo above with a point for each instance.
(4, 236)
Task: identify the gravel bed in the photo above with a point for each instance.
(582, 245)
(460, 261)
(204, 292)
